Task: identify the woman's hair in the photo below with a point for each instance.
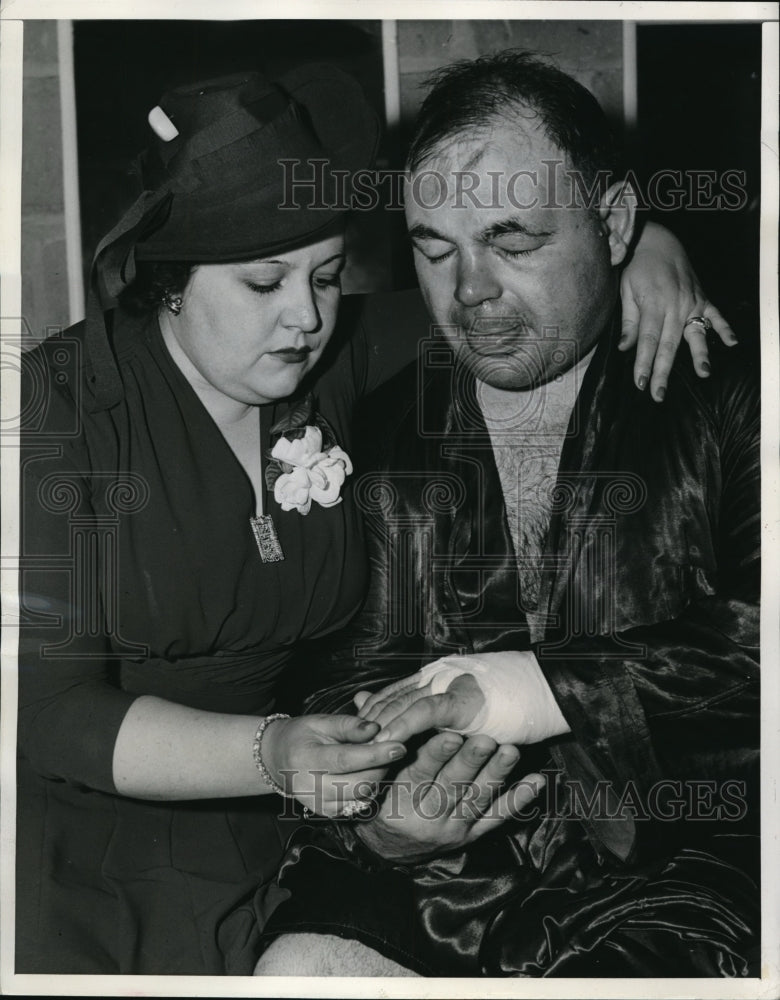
(153, 279)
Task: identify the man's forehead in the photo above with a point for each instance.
(491, 171)
(519, 137)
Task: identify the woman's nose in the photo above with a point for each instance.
(301, 313)
(475, 282)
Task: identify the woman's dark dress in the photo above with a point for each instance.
(140, 575)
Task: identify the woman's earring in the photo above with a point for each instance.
(172, 302)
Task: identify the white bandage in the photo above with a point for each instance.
(519, 705)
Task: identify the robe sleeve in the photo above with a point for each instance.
(687, 709)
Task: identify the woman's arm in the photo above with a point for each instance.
(168, 751)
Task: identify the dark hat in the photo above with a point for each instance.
(224, 154)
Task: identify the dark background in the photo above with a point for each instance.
(699, 107)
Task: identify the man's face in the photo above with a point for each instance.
(521, 292)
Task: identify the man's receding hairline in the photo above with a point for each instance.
(474, 132)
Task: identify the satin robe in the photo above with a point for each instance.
(643, 857)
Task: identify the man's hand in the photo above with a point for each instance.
(450, 795)
(403, 710)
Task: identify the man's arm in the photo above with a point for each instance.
(685, 707)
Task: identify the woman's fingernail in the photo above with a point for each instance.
(642, 382)
(705, 367)
(366, 725)
(660, 392)
(450, 746)
(623, 340)
(396, 753)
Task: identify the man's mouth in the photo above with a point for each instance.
(495, 336)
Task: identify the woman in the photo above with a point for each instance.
(188, 525)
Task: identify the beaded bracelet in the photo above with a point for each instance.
(257, 754)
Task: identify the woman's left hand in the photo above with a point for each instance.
(660, 292)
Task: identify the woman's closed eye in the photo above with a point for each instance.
(328, 280)
(264, 288)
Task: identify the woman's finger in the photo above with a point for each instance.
(343, 758)
(650, 327)
(630, 318)
(696, 339)
(720, 325)
(671, 335)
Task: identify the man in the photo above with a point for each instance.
(577, 573)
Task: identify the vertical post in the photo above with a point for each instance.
(70, 172)
(392, 79)
(11, 74)
(630, 85)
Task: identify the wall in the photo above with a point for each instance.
(590, 51)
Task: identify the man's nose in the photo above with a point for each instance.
(476, 282)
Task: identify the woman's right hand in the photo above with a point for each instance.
(327, 761)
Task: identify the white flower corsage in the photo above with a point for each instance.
(306, 463)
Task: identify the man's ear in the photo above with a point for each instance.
(617, 215)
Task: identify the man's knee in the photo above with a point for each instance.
(324, 955)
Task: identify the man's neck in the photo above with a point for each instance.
(540, 409)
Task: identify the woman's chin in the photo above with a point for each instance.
(271, 390)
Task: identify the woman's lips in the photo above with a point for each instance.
(291, 355)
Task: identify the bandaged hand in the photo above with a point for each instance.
(501, 695)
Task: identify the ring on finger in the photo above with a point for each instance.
(354, 808)
(701, 321)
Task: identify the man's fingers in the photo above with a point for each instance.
(513, 804)
(376, 705)
(490, 780)
(457, 777)
(430, 758)
(360, 699)
(377, 697)
(428, 712)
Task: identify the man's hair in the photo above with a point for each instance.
(471, 94)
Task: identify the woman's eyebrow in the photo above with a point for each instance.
(512, 226)
(336, 256)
